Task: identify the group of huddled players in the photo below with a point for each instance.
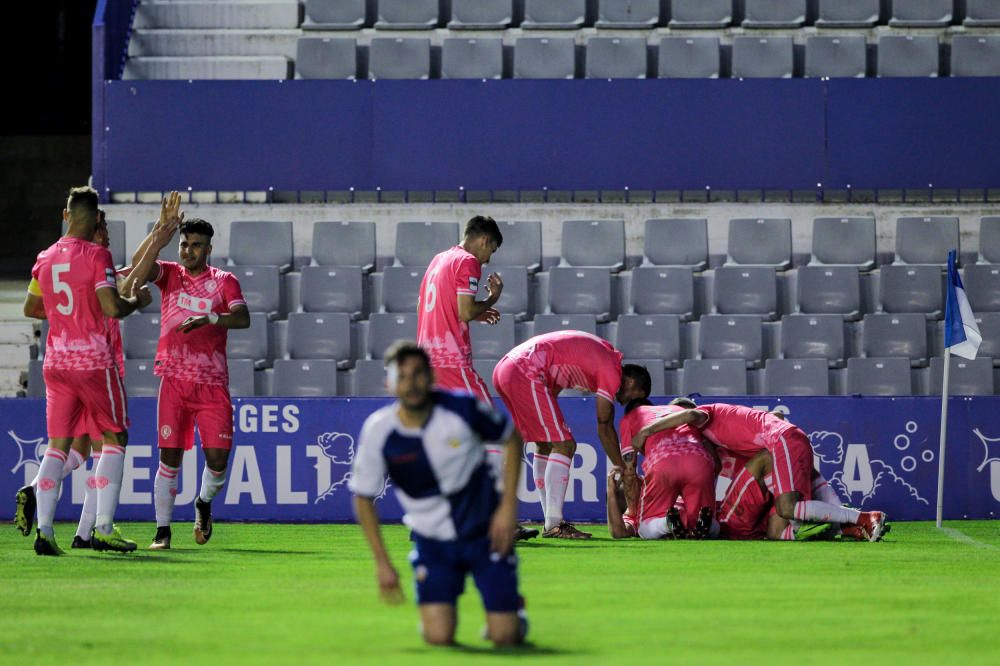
(74, 285)
(455, 460)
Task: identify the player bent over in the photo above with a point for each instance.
(432, 445)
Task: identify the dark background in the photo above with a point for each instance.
(45, 135)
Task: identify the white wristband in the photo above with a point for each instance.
(213, 318)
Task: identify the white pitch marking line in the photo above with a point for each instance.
(962, 537)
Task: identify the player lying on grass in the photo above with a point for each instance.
(432, 445)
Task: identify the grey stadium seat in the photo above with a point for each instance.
(241, 378)
(763, 57)
(925, 240)
(982, 286)
(480, 14)
(878, 376)
(36, 379)
(760, 242)
(830, 290)
(418, 242)
(368, 378)
(549, 15)
(332, 289)
(580, 291)
(261, 244)
(663, 290)
(116, 240)
(737, 336)
(655, 368)
(844, 56)
(261, 287)
(975, 55)
(989, 328)
(140, 382)
(746, 290)
(170, 252)
(140, 335)
(813, 336)
(965, 377)
(492, 341)
(544, 58)
(921, 13)
(547, 323)
(774, 13)
(848, 241)
(912, 289)
(334, 15)
(385, 328)
(326, 58)
(320, 335)
(250, 343)
(407, 14)
(701, 13)
(982, 13)
(616, 58)
(989, 240)
(514, 300)
(467, 58)
(305, 378)
(847, 13)
(344, 244)
(688, 58)
(650, 336)
(399, 58)
(522, 245)
(908, 55)
(786, 376)
(676, 242)
(895, 335)
(628, 14)
(594, 243)
(715, 377)
(401, 288)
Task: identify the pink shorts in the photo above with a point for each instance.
(463, 379)
(531, 402)
(793, 463)
(183, 405)
(689, 476)
(78, 402)
(744, 510)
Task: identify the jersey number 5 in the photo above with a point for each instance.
(61, 287)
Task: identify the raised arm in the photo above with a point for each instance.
(388, 578)
(693, 417)
(144, 268)
(606, 430)
(504, 520)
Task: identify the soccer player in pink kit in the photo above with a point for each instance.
(199, 304)
(530, 377)
(77, 290)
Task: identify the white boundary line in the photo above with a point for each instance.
(962, 537)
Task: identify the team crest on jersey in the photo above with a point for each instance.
(165, 432)
(211, 285)
(474, 284)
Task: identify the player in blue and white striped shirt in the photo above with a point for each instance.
(432, 445)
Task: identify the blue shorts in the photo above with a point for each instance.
(440, 568)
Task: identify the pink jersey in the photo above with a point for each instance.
(451, 274)
(742, 430)
(117, 351)
(572, 360)
(69, 273)
(200, 355)
(676, 441)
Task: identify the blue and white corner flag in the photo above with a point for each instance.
(961, 333)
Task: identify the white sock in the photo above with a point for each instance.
(108, 479)
(211, 483)
(47, 495)
(824, 492)
(822, 512)
(769, 483)
(73, 460)
(788, 534)
(88, 514)
(165, 493)
(556, 483)
(538, 466)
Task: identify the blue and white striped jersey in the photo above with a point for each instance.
(443, 482)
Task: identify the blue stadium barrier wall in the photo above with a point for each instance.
(292, 458)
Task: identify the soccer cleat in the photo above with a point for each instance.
(202, 521)
(675, 529)
(80, 542)
(162, 539)
(24, 514)
(564, 530)
(853, 533)
(524, 533)
(45, 545)
(703, 528)
(874, 524)
(114, 541)
(814, 532)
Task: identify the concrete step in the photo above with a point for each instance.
(214, 42)
(216, 14)
(219, 67)
(10, 382)
(16, 332)
(14, 356)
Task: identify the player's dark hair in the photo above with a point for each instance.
(404, 349)
(637, 402)
(686, 403)
(640, 375)
(101, 215)
(196, 225)
(484, 225)
(82, 203)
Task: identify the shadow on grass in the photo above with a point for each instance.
(261, 551)
(528, 649)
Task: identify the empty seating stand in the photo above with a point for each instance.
(746, 290)
(975, 55)
(575, 290)
(982, 286)
(896, 335)
(813, 337)
(830, 290)
(926, 240)
(965, 377)
(418, 242)
(314, 335)
(921, 13)
(549, 15)
(305, 378)
(848, 241)
(522, 245)
(774, 13)
(738, 336)
(334, 15)
(515, 299)
(548, 323)
(332, 289)
(879, 376)
(688, 57)
(763, 242)
(763, 57)
(700, 14)
(261, 244)
(723, 377)
(844, 56)
(472, 58)
(663, 290)
(796, 377)
(344, 244)
(627, 14)
(326, 58)
(480, 14)
(401, 288)
(594, 243)
(908, 56)
(399, 58)
(917, 289)
(982, 14)
(616, 58)
(676, 242)
(650, 337)
(847, 13)
(544, 58)
(407, 14)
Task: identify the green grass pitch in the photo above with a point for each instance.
(303, 594)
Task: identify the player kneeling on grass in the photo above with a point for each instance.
(432, 445)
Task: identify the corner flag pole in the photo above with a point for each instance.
(944, 430)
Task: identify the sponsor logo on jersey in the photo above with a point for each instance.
(194, 303)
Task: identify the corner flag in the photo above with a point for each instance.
(961, 333)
